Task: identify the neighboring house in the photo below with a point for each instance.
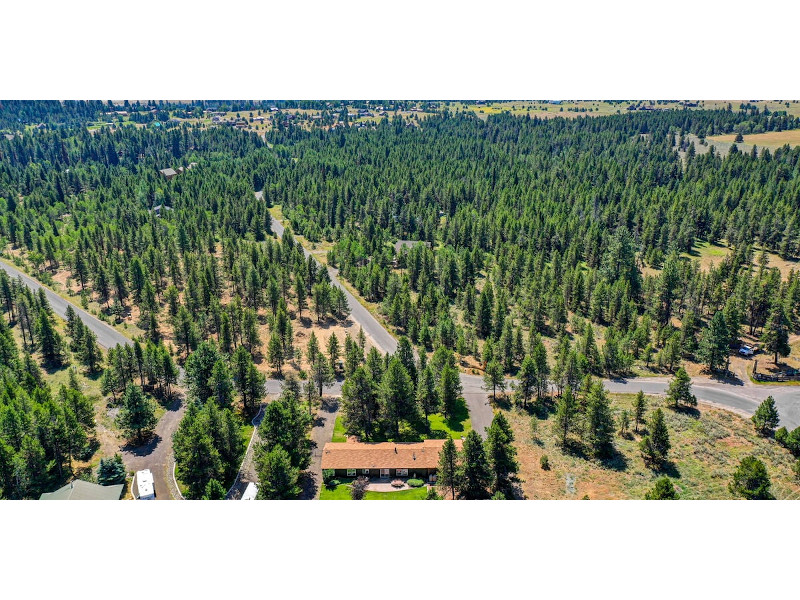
(84, 490)
(168, 173)
(384, 459)
(408, 244)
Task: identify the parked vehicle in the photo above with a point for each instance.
(144, 485)
(746, 350)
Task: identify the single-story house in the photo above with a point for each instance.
(168, 173)
(384, 459)
(84, 490)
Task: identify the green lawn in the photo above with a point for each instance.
(342, 492)
(339, 434)
(441, 428)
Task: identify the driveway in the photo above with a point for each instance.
(155, 455)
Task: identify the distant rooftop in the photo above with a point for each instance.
(84, 490)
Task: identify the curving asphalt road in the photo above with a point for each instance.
(107, 336)
(743, 398)
(156, 455)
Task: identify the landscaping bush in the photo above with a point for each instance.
(432, 495)
(328, 476)
(544, 462)
(796, 469)
(359, 488)
(415, 483)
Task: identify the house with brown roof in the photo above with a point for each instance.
(168, 173)
(384, 459)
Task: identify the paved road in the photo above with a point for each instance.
(155, 455)
(481, 413)
(107, 336)
(743, 398)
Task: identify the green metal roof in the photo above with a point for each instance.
(83, 490)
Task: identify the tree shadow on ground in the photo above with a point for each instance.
(615, 460)
(727, 377)
(689, 411)
(142, 450)
(668, 468)
(308, 485)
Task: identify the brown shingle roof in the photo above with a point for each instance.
(383, 455)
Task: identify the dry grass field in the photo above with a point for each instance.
(707, 444)
(770, 139)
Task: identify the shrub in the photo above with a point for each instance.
(796, 469)
(415, 483)
(111, 471)
(780, 436)
(662, 490)
(544, 462)
(327, 476)
(498, 495)
(359, 488)
(432, 495)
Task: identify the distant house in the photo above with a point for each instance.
(84, 490)
(384, 459)
(408, 244)
(168, 173)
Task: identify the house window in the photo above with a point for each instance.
(365, 471)
(384, 472)
(351, 472)
(402, 472)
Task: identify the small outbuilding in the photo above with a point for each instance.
(168, 173)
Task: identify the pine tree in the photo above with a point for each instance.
(333, 352)
(138, 414)
(776, 334)
(214, 491)
(526, 377)
(447, 475)
(50, 342)
(449, 390)
(639, 408)
(680, 389)
(713, 350)
(474, 475)
(751, 480)
(111, 471)
(655, 445)
(766, 417)
(501, 454)
(397, 399)
(427, 396)
(359, 403)
(493, 379)
(566, 411)
(662, 490)
(275, 352)
(600, 423)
